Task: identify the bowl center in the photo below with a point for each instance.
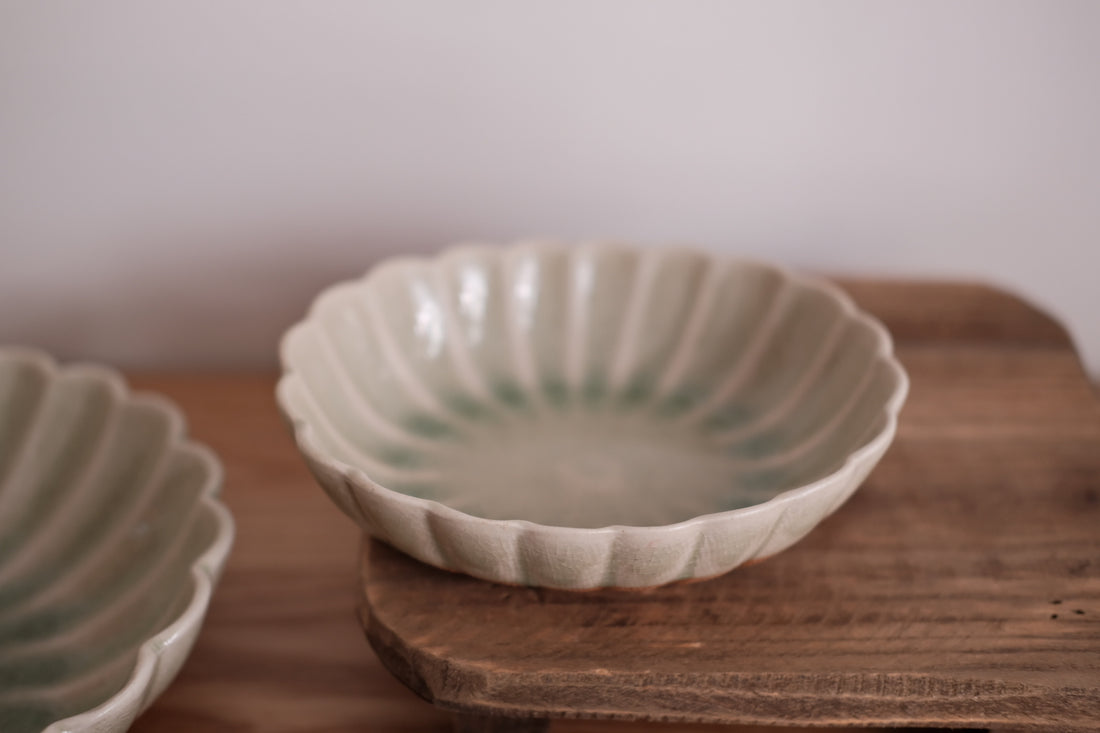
(581, 468)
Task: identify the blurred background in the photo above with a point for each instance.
(178, 179)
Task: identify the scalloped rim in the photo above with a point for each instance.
(357, 482)
(134, 696)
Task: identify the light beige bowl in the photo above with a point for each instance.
(580, 417)
(111, 540)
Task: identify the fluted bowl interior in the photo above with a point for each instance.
(584, 387)
(111, 539)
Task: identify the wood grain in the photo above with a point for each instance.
(959, 588)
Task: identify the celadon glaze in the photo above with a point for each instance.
(591, 415)
(111, 540)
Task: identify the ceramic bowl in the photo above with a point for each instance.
(590, 416)
(111, 540)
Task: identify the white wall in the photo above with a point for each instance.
(176, 179)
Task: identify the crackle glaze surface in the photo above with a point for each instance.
(111, 539)
(588, 416)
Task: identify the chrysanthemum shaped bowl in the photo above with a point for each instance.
(589, 416)
(111, 540)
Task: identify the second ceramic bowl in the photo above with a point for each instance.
(112, 538)
(589, 416)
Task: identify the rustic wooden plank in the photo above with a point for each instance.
(960, 587)
(968, 313)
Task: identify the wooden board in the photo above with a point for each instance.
(960, 587)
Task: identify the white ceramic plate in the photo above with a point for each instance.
(111, 540)
(599, 415)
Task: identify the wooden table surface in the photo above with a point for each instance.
(282, 649)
